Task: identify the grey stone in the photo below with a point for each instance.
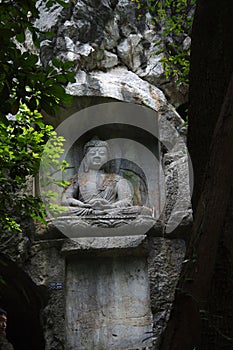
(111, 26)
(112, 34)
(117, 83)
(49, 17)
(165, 261)
(76, 227)
(101, 197)
(130, 51)
(107, 304)
(106, 245)
(110, 60)
(46, 266)
(186, 43)
(91, 19)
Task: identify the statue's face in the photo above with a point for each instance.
(3, 321)
(96, 157)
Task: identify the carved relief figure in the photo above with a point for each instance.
(95, 192)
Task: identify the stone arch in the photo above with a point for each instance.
(120, 85)
(22, 300)
(117, 84)
(128, 169)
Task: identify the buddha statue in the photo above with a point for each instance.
(93, 191)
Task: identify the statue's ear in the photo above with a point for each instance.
(85, 166)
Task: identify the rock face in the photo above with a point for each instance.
(100, 36)
(114, 54)
(107, 303)
(165, 260)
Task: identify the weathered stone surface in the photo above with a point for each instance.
(129, 50)
(111, 307)
(107, 304)
(110, 60)
(165, 262)
(75, 227)
(118, 83)
(16, 246)
(115, 35)
(46, 267)
(179, 207)
(107, 246)
(49, 17)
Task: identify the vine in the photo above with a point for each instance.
(173, 20)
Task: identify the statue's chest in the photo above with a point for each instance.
(97, 184)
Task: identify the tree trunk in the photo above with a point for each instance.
(210, 73)
(210, 143)
(183, 330)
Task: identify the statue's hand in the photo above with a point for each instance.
(100, 203)
(76, 203)
(122, 203)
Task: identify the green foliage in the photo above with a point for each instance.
(173, 19)
(26, 89)
(51, 169)
(21, 148)
(176, 19)
(22, 78)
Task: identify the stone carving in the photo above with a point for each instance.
(94, 191)
(95, 195)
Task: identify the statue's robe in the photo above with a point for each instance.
(110, 187)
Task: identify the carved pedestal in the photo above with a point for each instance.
(107, 294)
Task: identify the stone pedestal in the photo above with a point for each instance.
(107, 294)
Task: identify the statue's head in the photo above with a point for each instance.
(95, 142)
(96, 154)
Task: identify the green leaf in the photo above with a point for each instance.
(57, 63)
(49, 3)
(32, 60)
(61, 79)
(20, 37)
(50, 35)
(71, 77)
(57, 90)
(67, 65)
